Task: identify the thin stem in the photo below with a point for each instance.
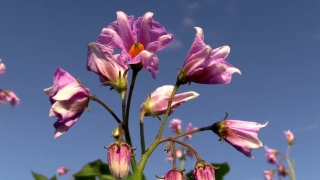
(142, 141)
(184, 134)
(153, 146)
(133, 81)
(127, 131)
(292, 173)
(93, 98)
(187, 146)
(174, 154)
(183, 161)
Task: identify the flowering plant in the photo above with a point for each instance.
(138, 42)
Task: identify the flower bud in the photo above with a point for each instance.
(115, 133)
(119, 154)
(203, 171)
(282, 170)
(62, 170)
(174, 174)
(268, 175)
(289, 137)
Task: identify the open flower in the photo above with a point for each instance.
(205, 65)
(111, 68)
(68, 99)
(2, 67)
(242, 135)
(138, 40)
(157, 102)
(271, 155)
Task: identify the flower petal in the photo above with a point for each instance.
(197, 45)
(149, 61)
(111, 38)
(102, 62)
(197, 60)
(123, 27)
(2, 67)
(182, 98)
(61, 128)
(70, 108)
(149, 31)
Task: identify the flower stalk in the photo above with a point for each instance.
(291, 168)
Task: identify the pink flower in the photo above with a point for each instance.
(268, 175)
(157, 102)
(174, 174)
(12, 98)
(271, 155)
(175, 125)
(242, 135)
(68, 99)
(203, 171)
(289, 137)
(2, 96)
(282, 170)
(190, 128)
(102, 61)
(179, 154)
(119, 154)
(62, 170)
(205, 65)
(138, 40)
(2, 67)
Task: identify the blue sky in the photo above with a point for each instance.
(275, 44)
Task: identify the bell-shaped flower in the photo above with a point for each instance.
(205, 65)
(68, 99)
(203, 171)
(138, 40)
(2, 67)
(156, 103)
(242, 135)
(271, 155)
(174, 174)
(111, 68)
(119, 154)
(289, 136)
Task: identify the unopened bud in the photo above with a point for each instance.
(168, 147)
(115, 133)
(174, 174)
(203, 170)
(119, 154)
(289, 137)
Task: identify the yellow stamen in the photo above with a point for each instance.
(135, 49)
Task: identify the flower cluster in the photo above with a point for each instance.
(271, 156)
(7, 95)
(138, 41)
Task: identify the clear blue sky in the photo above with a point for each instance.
(275, 44)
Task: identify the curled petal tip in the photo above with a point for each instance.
(265, 124)
(234, 70)
(195, 94)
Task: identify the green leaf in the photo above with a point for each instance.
(37, 176)
(93, 169)
(53, 178)
(219, 173)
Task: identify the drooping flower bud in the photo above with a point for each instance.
(119, 154)
(268, 175)
(175, 125)
(289, 137)
(174, 174)
(203, 171)
(271, 155)
(282, 170)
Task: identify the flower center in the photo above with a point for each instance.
(135, 49)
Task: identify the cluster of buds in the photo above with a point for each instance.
(271, 156)
(7, 95)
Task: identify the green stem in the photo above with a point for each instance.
(93, 98)
(292, 173)
(143, 144)
(133, 81)
(183, 161)
(127, 131)
(155, 143)
(187, 146)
